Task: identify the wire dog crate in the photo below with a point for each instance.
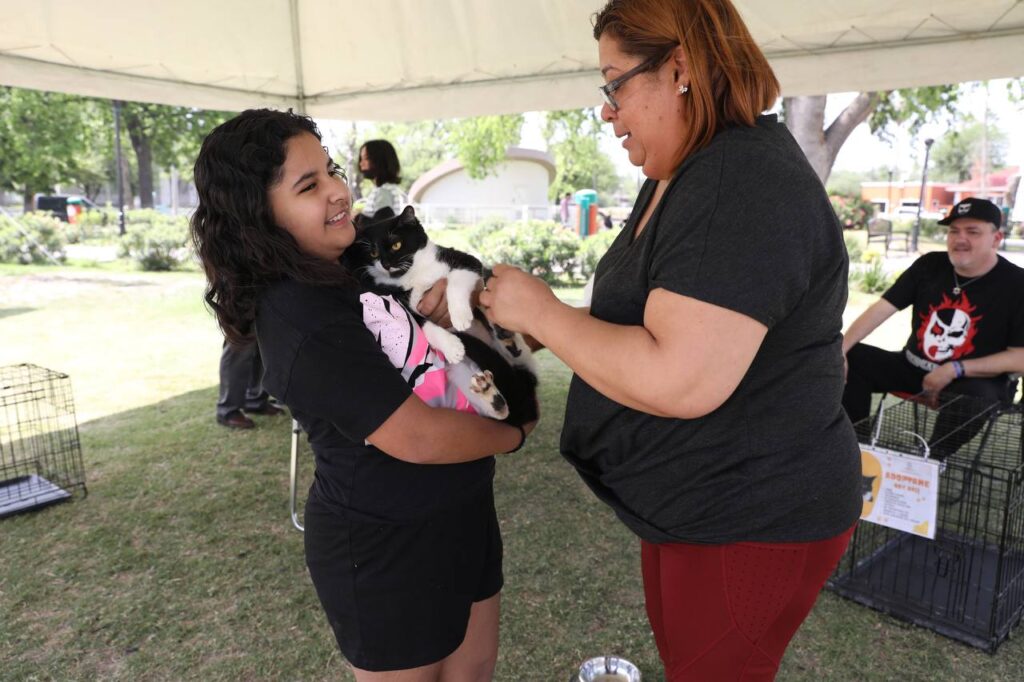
(967, 583)
(40, 454)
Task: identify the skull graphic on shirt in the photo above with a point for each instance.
(948, 329)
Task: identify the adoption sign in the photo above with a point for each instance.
(900, 491)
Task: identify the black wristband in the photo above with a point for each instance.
(522, 439)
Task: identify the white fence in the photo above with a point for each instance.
(471, 214)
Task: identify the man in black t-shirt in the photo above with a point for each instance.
(967, 331)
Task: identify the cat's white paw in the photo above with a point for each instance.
(444, 341)
(452, 349)
(461, 318)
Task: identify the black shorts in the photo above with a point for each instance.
(398, 596)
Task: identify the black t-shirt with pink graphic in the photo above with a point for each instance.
(986, 317)
(343, 360)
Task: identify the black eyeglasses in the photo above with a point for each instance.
(608, 88)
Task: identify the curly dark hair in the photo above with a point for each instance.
(384, 162)
(241, 247)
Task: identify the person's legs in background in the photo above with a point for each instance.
(241, 387)
(960, 420)
(873, 370)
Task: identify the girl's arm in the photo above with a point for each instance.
(420, 434)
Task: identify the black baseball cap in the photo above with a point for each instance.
(982, 209)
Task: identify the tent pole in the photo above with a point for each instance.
(300, 88)
(120, 172)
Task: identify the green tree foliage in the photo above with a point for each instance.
(910, 108)
(573, 138)
(50, 139)
(165, 137)
(421, 145)
(44, 140)
(478, 143)
(956, 153)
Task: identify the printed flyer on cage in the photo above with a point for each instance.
(900, 491)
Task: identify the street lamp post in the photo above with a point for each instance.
(888, 203)
(120, 172)
(920, 200)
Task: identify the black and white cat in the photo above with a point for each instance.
(867, 487)
(493, 366)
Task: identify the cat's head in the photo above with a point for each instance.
(388, 242)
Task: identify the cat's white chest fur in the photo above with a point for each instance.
(424, 272)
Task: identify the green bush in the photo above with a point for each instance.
(486, 227)
(872, 279)
(593, 248)
(155, 241)
(541, 247)
(930, 229)
(853, 212)
(31, 238)
(101, 224)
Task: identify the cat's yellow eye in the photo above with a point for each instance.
(373, 252)
(396, 246)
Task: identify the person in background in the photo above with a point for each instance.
(564, 207)
(241, 387)
(405, 554)
(967, 330)
(705, 402)
(378, 163)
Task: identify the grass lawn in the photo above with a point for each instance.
(181, 563)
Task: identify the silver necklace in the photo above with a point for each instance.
(958, 287)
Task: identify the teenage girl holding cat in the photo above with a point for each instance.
(405, 555)
(705, 407)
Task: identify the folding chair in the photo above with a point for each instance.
(293, 479)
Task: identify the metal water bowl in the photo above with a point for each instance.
(607, 669)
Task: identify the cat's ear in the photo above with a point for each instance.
(383, 214)
(408, 214)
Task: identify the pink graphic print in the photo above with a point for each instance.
(405, 344)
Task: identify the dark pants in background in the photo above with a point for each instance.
(241, 380)
(873, 370)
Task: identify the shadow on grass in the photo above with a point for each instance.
(182, 564)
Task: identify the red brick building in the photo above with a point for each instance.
(901, 197)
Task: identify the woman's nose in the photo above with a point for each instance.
(607, 113)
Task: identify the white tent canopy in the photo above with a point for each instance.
(415, 59)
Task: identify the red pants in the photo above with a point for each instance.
(727, 612)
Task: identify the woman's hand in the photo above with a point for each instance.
(515, 300)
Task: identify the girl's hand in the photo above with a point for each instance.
(515, 300)
(434, 304)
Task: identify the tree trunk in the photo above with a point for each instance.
(143, 157)
(805, 118)
(27, 199)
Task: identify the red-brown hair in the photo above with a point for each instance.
(731, 82)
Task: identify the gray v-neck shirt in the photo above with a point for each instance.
(745, 224)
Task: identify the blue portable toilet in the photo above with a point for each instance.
(586, 221)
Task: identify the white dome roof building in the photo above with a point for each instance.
(518, 188)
